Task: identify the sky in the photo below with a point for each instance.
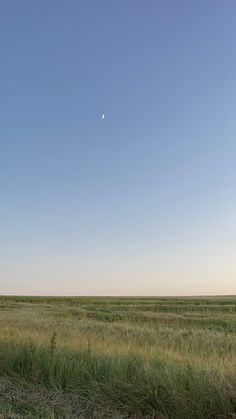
(143, 201)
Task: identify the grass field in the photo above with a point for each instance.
(117, 357)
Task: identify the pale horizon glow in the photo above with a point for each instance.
(143, 204)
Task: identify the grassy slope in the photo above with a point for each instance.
(117, 357)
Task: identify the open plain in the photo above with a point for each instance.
(117, 357)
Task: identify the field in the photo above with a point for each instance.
(117, 357)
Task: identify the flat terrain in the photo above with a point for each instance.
(117, 357)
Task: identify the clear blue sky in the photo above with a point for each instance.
(144, 201)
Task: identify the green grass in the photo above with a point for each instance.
(117, 357)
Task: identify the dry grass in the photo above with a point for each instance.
(172, 358)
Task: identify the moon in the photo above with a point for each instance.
(103, 116)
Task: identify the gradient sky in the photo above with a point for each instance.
(144, 201)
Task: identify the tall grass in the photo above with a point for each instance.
(133, 386)
(131, 358)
